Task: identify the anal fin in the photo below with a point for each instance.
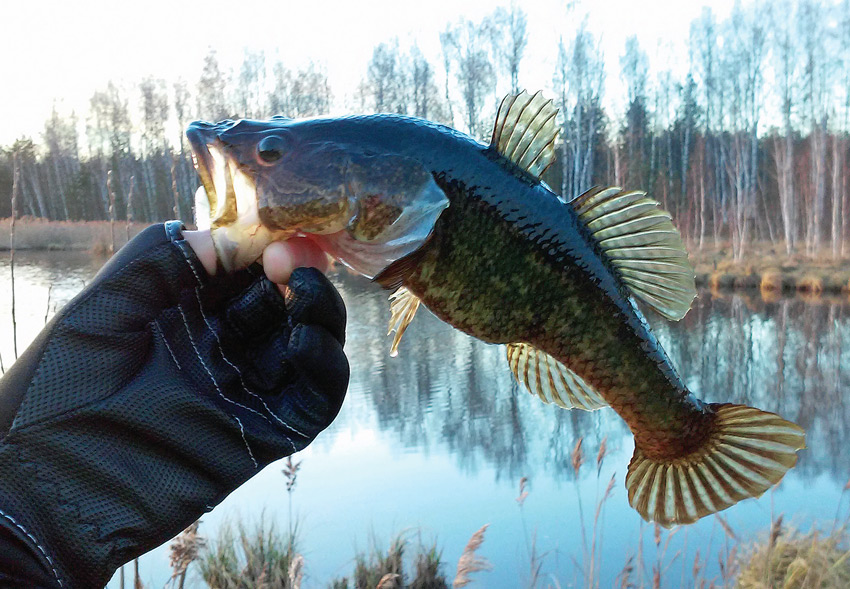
(403, 306)
(550, 380)
(748, 452)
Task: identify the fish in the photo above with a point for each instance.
(471, 232)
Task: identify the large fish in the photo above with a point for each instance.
(470, 231)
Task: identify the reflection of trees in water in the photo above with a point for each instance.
(445, 388)
(790, 357)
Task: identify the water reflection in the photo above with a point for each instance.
(789, 356)
(439, 436)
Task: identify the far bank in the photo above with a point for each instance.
(765, 266)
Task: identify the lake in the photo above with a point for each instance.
(433, 443)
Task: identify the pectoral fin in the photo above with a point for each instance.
(403, 306)
(551, 380)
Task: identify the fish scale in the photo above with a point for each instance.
(469, 231)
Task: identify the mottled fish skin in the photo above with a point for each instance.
(491, 250)
(510, 262)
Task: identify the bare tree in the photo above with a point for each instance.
(578, 85)
(742, 67)
(784, 51)
(310, 92)
(510, 40)
(280, 98)
(250, 91)
(211, 86)
(816, 65)
(634, 69)
(703, 42)
(62, 153)
(385, 88)
(465, 44)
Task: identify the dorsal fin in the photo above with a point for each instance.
(525, 131)
(551, 380)
(641, 242)
(403, 306)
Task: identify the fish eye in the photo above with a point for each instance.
(270, 149)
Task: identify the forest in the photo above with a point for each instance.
(751, 146)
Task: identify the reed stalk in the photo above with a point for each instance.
(16, 180)
(110, 189)
(290, 471)
(174, 191)
(469, 561)
(129, 214)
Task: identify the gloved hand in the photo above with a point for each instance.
(155, 393)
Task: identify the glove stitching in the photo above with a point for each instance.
(37, 545)
(218, 389)
(158, 329)
(60, 319)
(185, 249)
(242, 380)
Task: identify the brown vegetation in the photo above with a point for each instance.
(769, 268)
(40, 234)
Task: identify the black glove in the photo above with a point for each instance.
(155, 393)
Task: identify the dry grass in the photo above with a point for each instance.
(769, 268)
(183, 551)
(810, 283)
(260, 558)
(39, 234)
(791, 560)
(470, 563)
(386, 569)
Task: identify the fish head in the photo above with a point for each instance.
(363, 205)
(263, 168)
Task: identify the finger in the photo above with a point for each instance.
(324, 370)
(280, 258)
(256, 311)
(311, 298)
(203, 246)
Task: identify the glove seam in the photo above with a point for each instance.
(60, 325)
(35, 542)
(242, 380)
(156, 326)
(218, 388)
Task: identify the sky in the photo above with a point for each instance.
(60, 52)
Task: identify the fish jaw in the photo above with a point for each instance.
(226, 203)
(366, 207)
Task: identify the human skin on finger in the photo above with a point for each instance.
(279, 259)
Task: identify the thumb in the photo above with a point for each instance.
(280, 258)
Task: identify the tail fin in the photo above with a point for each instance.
(748, 452)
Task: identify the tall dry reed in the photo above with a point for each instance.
(16, 181)
(110, 189)
(470, 563)
(183, 551)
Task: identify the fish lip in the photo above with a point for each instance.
(201, 135)
(216, 169)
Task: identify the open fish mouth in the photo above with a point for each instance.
(227, 193)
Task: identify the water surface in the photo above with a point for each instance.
(434, 442)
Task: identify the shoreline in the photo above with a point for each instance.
(766, 267)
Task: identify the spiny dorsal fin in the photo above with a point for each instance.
(403, 306)
(550, 380)
(640, 240)
(748, 452)
(525, 131)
